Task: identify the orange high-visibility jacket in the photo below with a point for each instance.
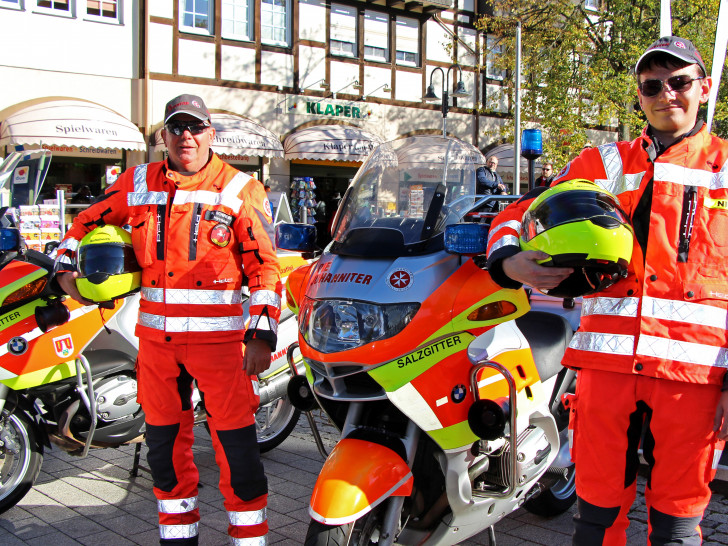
(669, 317)
(196, 237)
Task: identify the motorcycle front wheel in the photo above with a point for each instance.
(362, 532)
(21, 456)
(274, 422)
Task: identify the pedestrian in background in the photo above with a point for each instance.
(547, 175)
(652, 349)
(196, 223)
(488, 181)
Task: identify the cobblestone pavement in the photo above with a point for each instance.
(94, 502)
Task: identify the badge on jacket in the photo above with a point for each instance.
(220, 235)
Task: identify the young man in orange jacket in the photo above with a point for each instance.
(651, 349)
(196, 225)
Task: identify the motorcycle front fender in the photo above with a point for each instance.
(356, 477)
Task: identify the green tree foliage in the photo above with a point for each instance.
(576, 64)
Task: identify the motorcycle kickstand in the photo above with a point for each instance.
(134, 473)
(491, 536)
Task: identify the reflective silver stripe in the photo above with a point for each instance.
(251, 541)
(178, 531)
(198, 196)
(191, 296)
(140, 178)
(232, 190)
(716, 457)
(507, 240)
(177, 506)
(683, 351)
(69, 244)
(261, 322)
(191, 324)
(265, 297)
(683, 311)
(622, 307)
(616, 182)
(146, 198)
(64, 259)
(253, 517)
(513, 224)
(685, 176)
(602, 343)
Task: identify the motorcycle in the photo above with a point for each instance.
(67, 371)
(446, 387)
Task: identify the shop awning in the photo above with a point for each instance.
(330, 143)
(70, 122)
(235, 135)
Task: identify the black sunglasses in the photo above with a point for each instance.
(679, 84)
(178, 128)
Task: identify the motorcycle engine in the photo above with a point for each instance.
(116, 398)
(533, 450)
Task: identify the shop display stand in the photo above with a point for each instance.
(303, 200)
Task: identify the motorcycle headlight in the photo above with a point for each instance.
(330, 326)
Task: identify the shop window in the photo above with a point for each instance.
(236, 18)
(493, 51)
(343, 31)
(196, 16)
(592, 5)
(408, 41)
(274, 22)
(376, 36)
(11, 4)
(103, 10)
(63, 8)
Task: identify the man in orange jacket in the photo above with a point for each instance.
(652, 349)
(197, 225)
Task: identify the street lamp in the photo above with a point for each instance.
(531, 150)
(460, 91)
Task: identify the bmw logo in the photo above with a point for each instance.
(17, 345)
(458, 393)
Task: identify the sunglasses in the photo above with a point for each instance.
(679, 84)
(178, 128)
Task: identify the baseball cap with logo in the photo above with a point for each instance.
(186, 104)
(677, 47)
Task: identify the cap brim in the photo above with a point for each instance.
(683, 58)
(195, 114)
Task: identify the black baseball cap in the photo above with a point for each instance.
(187, 104)
(679, 48)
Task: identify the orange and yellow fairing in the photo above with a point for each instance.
(356, 477)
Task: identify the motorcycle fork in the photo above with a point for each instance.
(86, 393)
(4, 390)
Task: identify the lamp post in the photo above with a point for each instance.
(460, 91)
(532, 150)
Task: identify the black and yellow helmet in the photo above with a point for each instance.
(107, 267)
(579, 225)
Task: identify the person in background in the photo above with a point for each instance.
(488, 181)
(196, 224)
(547, 175)
(652, 349)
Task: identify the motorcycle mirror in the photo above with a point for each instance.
(467, 238)
(296, 237)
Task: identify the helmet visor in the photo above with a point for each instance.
(573, 206)
(99, 262)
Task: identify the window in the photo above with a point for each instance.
(408, 40)
(274, 22)
(196, 16)
(55, 7)
(343, 30)
(376, 36)
(493, 51)
(11, 4)
(103, 10)
(592, 5)
(236, 18)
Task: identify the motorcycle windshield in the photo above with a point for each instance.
(404, 196)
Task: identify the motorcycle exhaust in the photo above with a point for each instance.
(274, 388)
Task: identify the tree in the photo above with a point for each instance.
(577, 64)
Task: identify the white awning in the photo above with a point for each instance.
(235, 135)
(71, 122)
(330, 143)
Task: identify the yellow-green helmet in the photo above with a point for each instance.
(579, 225)
(107, 267)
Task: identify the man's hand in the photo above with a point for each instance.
(720, 423)
(67, 281)
(524, 267)
(257, 357)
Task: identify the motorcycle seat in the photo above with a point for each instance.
(548, 334)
